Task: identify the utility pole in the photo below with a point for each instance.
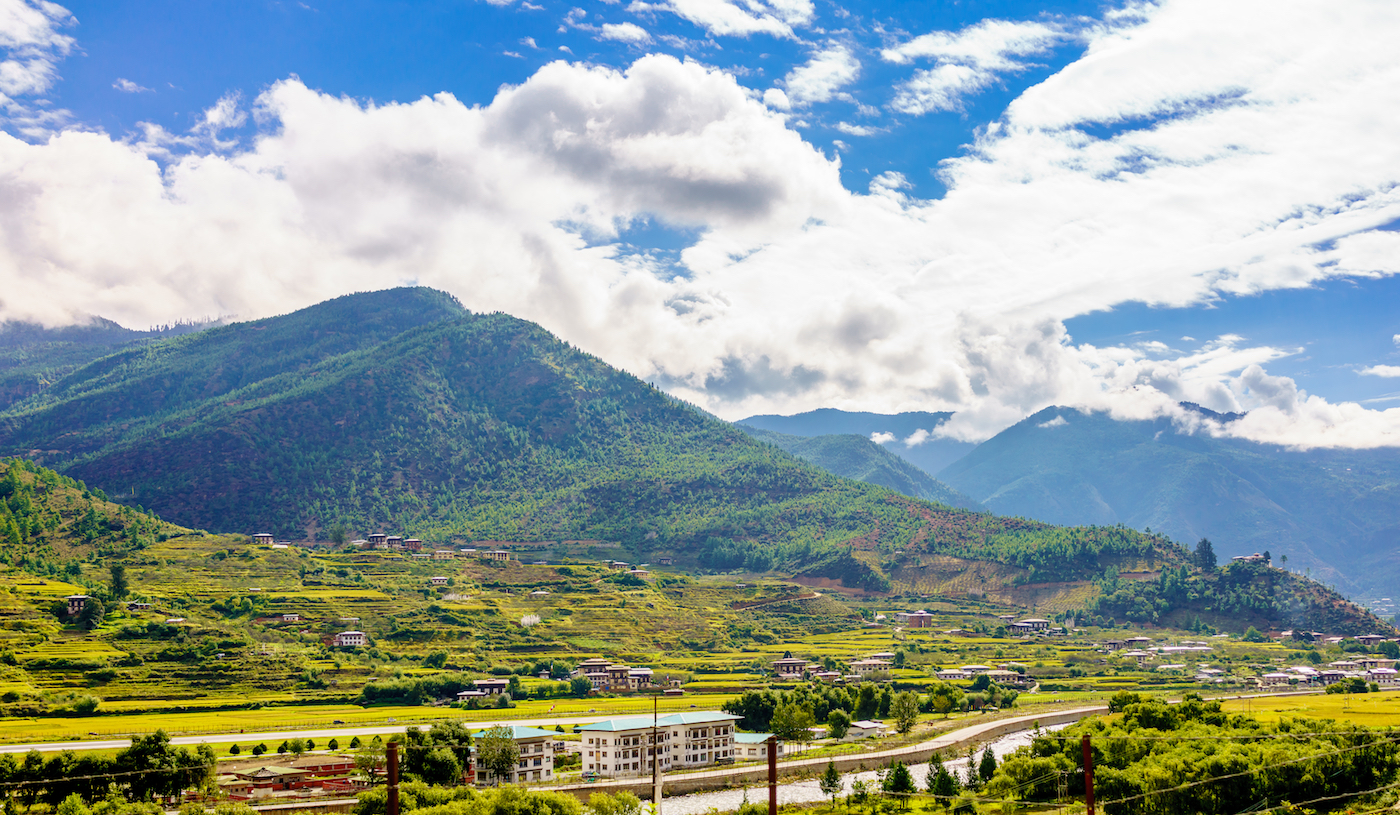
(391, 755)
(1088, 775)
(655, 761)
(772, 775)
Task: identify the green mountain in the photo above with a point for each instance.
(1333, 513)
(33, 357)
(859, 458)
(908, 434)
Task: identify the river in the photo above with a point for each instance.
(805, 792)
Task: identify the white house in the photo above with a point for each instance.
(438, 581)
(350, 639)
(864, 729)
(1382, 676)
(536, 757)
(753, 746)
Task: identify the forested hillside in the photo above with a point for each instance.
(1333, 513)
(859, 458)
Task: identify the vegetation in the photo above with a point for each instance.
(1160, 758)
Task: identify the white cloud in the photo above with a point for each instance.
(1396, 339)
(857, 130)
(625, 32)
(127, 86)
(775, 98)
(822, 76)
(968, 61)
(881, 438)
(741, 19)
(918, 437)
(1058, 421)
(30, 49)
(1261, 156)
(1381, 370)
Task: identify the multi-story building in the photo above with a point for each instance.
(536, 758)
(350, 639)
(606, 675)
(625, 747)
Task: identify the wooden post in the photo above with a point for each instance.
(772, 775)
(1088, 775)
(391, 755)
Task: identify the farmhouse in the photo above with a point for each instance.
(136, 606)
(491, 686)
(394, 541)
(263, 537)
(790, 667)
(864, 729)
(444, 554)
(870, 666)
(378, 540)
(438, 580)
(496, 554)
(1369, 639)
(76, 602)
(627, 747)
(350, 639)
(914, 619)
(412, 544)
(291, 618)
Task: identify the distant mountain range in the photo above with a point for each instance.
(909, 434)
(1334, 514)
(859, 458)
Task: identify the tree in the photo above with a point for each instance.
(235, 750)
(1390, 649)
(988, 766)
(370, 760)
(1254, 635)
(791, 723)
(1205, 554)
(838, 723)
(497, 751)
(905, 709)
(900, 783)
(339, 533)
(355, 743)
(283, 747)
(440, 766)
(117, 585)
(830, 782)
(260, 749)
(580, 685)
(944, 698)
(333, 744)
(941, 782)
(91, 615)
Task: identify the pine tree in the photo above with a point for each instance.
(831, 782)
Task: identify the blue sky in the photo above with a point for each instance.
(763, 205)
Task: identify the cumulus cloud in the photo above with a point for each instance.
(1058, 421)
(967, 61)
(624, 32)
(1260, 157)
(881, 438)
(822, 76)
(31, 47)
(1381, 370)
(741, 19)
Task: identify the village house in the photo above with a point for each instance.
(491, 687)
(309, 775)
(1254, 558)
(76, 602)
(469, 552)
(1385, 677)
(536, 757)
(790, 667)
(378, 540)
(412, 544)
(138, 606)
(620, 565)
(438, 580)
(864, 729)
(665, 561)
(444, 554)
(496, 554)
(914, 619)
(291, 618)
(394, 542)
(625, 747)
(641, 574)
(538, 594)
(1030, 625)
(1271, 680)
(870, 665)
(350, 639)
(1369, 640)
(264, 538)
(953, 675)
